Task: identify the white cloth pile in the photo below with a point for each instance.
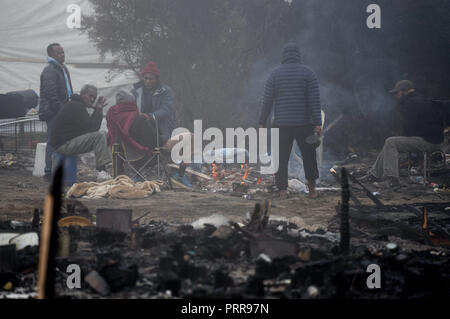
(122, 187)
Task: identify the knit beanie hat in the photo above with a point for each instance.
(124, 97)
(151, 67)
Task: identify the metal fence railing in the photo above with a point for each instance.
(22, 134)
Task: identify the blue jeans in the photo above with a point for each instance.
(49, 150)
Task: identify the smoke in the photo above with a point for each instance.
(216, 220)
(354, 70)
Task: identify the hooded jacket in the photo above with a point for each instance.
(292, 90)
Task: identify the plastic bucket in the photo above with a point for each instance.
(39, 160)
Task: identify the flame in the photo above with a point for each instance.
(425, 218)
(436, 241)
(214, 171)
(245, 173)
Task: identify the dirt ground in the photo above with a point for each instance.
(391, 236)
(21, 193)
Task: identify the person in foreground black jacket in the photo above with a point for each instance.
(76, 132)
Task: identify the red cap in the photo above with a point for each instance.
(151, 67)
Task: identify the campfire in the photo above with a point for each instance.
(237, 179)
(244, 167)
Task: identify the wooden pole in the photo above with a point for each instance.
(345, 227)
(49, 238)
(352, 196)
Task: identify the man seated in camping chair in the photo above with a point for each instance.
(134, 139)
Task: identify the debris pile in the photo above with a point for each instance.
(7, 160)
(260, 257)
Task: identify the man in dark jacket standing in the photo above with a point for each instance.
(293, 91)
(76, 132)
(56, 90)
(423, 131)
(156, 101)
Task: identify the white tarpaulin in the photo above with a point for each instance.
(27, 27)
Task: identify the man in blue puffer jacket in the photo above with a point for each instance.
(292, 90)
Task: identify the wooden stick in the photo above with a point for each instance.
(338, 179)
(424, 214)
(368, 193)
(345, 227)
(45, 245)
(49, 238)
(266, 212)
(192, 172)
(244, 231)
(140, 217)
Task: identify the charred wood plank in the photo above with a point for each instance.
(192, 172)
(379, 223)
(244, 231)
(345, 228)
(368, 192)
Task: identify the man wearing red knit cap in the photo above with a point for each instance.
(156, 100)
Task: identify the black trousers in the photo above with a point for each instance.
(287, 136)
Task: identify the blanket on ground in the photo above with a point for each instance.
(122, 187)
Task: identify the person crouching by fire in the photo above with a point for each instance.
(292, 90)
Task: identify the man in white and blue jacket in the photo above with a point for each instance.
(55, 91)
(292, 91)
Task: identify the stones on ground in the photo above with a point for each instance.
(98, 283)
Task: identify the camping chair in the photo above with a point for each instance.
(140, 166)
(428, 157)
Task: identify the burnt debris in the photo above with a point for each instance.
(274, 259)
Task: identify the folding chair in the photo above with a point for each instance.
(140, 166)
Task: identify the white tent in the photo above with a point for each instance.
(28, 26)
